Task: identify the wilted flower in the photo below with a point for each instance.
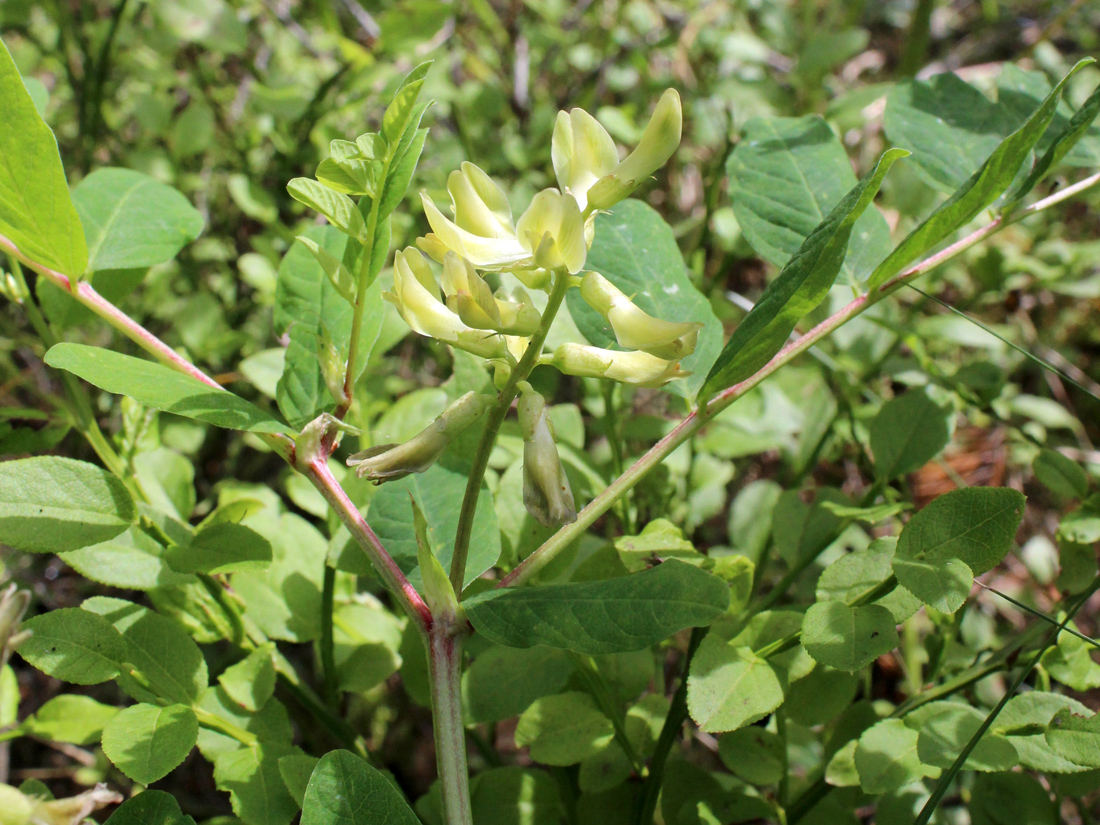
(416, 296)
(587, 164)
(638, 368)
(17, 808)
(389, 462)
(635, 328)
(546, 492)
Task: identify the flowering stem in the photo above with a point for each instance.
(492, 426)
(445, 672)
(697, 419)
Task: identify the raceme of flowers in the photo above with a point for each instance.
(546, 246)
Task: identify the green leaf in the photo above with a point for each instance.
(908, 432)
(307, 307)
(1014, 798)
(1078, 126)
(979, 191)
(256, 788)
(947, 727)
(438, 592)
(617, 615)
(397, 184)
(270, 724)
(50, 504)
(150, 808)
(754, 755)
(36, 211)
(950, 126)
(1035, 709)
(502, 682)
(133, 221)
(730, 687)
(848, 638)
(296, 770)
(345, 790)
(131, 561)
(78, 720)
(821, 696)
(886, 757)
(402, 110)
(73, 645)
(637, 251)
(515, 796)
(161, 388)
(251, 682)
(146, 742)
(168, 663)
(224, 547)
(438, 492)
(564, 729)
(786, 175)
(336, 206)
(958, 536)
(799, 287)
(1060, 474)
(659, 541)
(1076, 738)
(861, 571)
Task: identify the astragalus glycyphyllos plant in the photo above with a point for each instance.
(583, 284)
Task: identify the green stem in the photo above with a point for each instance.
(328, 648)
(697, 419)
(445, 673)
(232, 614)
(586, 669)
(358, 309)
(492, 426)
(212, 721)
(674, 720)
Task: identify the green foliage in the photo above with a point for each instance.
(788, 566)
(36, 211)
(618, 615)
(345, 790)
(145, 742)
(52, 504)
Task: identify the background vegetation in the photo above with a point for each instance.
(227, 101)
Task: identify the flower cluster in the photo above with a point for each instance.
(544, 250)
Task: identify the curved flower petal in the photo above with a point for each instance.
(582, 152)
(659, 141)
(482, 252)
(633, 327)
(638, 368)
(480, 205)
(552, 229)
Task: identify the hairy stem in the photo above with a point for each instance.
(492, 426)
(445, 672)
(697, 419)
(318, 472)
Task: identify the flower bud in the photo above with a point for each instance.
(659, 141)
(389, 462)
(546, 492)
(634, 328)
(638, 368)
(416, 296)
(582, 152)
(333, 366)
(471, 299)
(552, 230)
